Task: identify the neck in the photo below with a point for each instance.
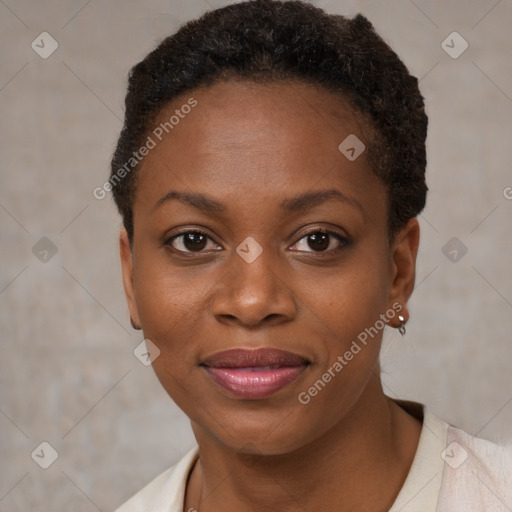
(360, 464)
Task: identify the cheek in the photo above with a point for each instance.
(171, 310)
(347, 314)
(171, 304)
(348, 299)
(345, 310)
(165, 294)
(350, 331)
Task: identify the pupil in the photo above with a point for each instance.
(318, 241)
(194, 241)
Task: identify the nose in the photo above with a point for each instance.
(255, 293)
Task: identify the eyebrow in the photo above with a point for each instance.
(298, 203)
(310, 199)
(198, 201)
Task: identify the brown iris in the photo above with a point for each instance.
(194, 241)
(318, 241)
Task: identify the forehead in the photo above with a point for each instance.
(250, 139)
(244, 115)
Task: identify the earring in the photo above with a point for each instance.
(401, 327)
(136, 327)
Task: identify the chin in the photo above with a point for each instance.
(275, 432)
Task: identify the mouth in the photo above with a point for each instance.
(254, 374)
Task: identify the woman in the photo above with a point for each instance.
(269, 174)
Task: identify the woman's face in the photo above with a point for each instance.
(288, 251)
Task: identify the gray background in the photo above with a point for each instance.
(67, 370)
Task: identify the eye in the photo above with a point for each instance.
(320, 241)
(191, 241)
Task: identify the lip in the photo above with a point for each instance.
(254, 373)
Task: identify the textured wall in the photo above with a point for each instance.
(67, 370)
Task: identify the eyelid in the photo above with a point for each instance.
(322, 229)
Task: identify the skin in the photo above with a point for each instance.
(248, 147)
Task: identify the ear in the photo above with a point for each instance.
(403, 265)
(127, 269)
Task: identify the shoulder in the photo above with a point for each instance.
(477, 474)
(454, 471)
(166, 492)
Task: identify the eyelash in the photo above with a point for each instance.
(344, 241)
